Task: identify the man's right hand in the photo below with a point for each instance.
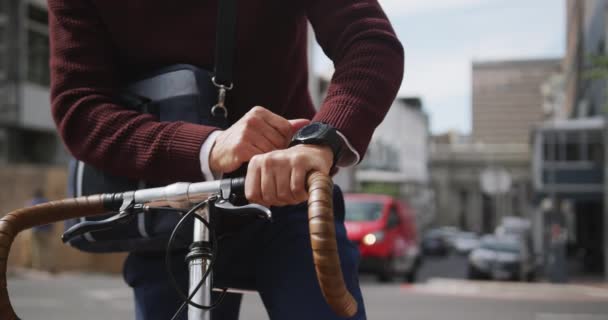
(259, 131)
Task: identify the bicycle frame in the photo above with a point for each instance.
(183, 195)
(197, 267)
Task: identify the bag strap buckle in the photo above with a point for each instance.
(219, 110)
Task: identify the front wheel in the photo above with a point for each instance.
(531, 276)
(393, 267)
(410, 276)
(473, 274)
(388, 270)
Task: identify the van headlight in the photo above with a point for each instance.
(372, 238)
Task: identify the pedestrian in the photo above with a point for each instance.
(98, 45)
(42, 253)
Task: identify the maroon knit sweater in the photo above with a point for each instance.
(96, 45)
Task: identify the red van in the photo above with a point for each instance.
(384, 230)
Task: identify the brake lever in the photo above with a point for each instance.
(123, 217)
(252, 208)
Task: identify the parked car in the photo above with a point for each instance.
(434, 243)
(511, 225)
(502, 258)
(439, 241)
(384, 230)
(465, 242)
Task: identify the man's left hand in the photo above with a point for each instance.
(278, 178)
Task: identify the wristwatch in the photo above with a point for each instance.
(318, 133)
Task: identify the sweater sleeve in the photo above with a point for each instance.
(93, 125)
(368, 59)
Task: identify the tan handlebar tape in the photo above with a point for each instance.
(324, 245)
(19, 220)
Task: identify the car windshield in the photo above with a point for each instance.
(500, 245)
(363, 210)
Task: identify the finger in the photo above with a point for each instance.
(268, 187)
(252, 182)
(297, 124)
(298, 184)
(283, 181)
(280, 124)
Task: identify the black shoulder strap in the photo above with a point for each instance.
(225, 42)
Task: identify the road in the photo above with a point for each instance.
(439, 295)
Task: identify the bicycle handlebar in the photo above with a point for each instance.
(19, 220)
(325, 247)
(320, 216)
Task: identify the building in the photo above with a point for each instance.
(507, 101)
(398, 151)
(27, 131)
(457, 167)
(569, 161)
(507, 98)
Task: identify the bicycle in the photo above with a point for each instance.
(191, 200)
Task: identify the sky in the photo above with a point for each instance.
(443, 37)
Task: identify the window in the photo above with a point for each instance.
(38, 46)
(393, 218)
(363, 210)
(3, 46)
(37, 15)
(549, 147)
(3, 37)
(596, 153)
(2, 64)
(594, 149)
(3, 145)
(573, 146)
(35, 146)
(38, 58)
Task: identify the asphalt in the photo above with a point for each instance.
(439, 294)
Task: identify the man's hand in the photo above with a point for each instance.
(257, 132)
(278, 178)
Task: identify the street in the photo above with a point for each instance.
(438, 295)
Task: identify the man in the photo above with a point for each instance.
(98, 44)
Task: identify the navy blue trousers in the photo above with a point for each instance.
(273, 258)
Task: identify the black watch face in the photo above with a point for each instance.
(310, 130)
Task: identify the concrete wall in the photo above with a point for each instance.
(17, 184)
(35, 110)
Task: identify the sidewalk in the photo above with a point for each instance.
(571, 292)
